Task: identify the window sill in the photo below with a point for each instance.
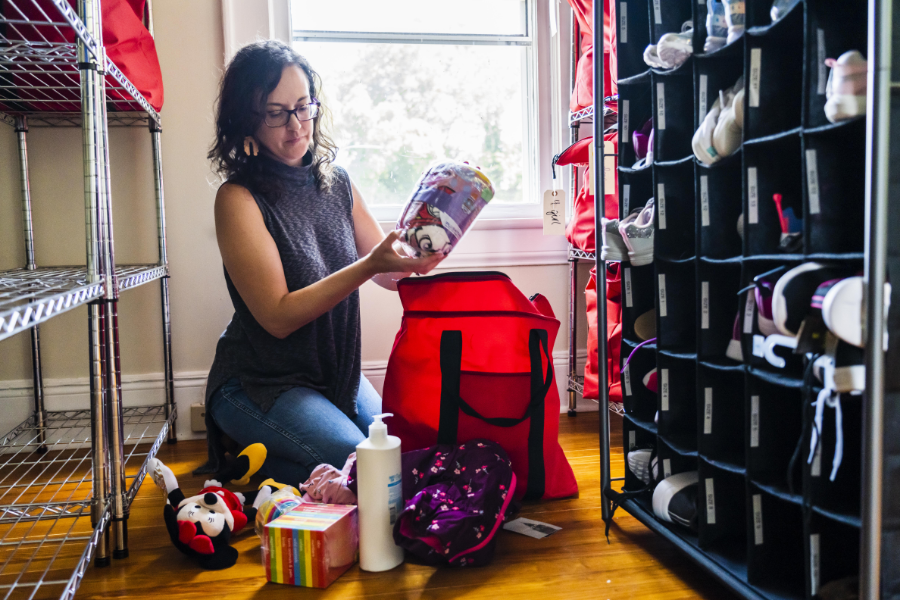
(493, 243)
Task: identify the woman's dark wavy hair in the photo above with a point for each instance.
(240, 109)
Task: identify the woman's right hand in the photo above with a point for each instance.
(384, 258)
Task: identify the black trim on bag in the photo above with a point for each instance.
(452, 403)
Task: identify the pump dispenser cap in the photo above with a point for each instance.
(378, 430)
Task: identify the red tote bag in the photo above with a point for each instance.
(474, 360)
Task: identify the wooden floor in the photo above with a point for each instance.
(574, 563)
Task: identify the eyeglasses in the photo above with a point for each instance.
(280, 118)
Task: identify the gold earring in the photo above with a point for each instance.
(250, 148)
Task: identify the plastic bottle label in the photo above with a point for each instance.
(395, 496)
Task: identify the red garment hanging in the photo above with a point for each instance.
(583, 94)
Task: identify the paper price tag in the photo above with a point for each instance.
(623, 22)
(822, 81)
(710, 502)
(707, 410)
(662, 295)
(626, 199)
(661, 204)
(755, 64)
(814, 559)
(555, 212)
(757, 520)
(704, 85)
(704, 305)
(664, 389)
(812, 182)
(625, 138)
(629, 303)
(626, 376)
(754, 421)
(660, 106)
(758, 343)
(749, 307)
(609, 169)
(704, 201)
(667, 467)
(657, 12)
(631, 440)
(752, 196)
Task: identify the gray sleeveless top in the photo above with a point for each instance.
(315, 237)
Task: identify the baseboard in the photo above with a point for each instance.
(190, 387)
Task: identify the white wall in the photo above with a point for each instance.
(189, 39)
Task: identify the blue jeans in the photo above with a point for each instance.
(302, 430)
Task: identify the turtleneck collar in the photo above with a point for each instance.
(299, 175)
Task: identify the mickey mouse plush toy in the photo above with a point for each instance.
(201, 526)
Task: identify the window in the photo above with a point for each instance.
(409, 82)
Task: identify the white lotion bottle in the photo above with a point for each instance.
(379, 497)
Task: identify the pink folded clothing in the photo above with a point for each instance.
(327, 485)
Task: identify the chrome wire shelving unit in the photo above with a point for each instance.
(67, 478)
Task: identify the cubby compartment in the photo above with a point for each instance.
(832, 552)
(773, 62)
(677, 403)
(770, 167)
(673, 459)
(639, 295)
(635, 188)
(833, 27)
(774, 417)
(632, 36)
(639, 401)
(775, 556)
(675, 305)
(667, 16)
(719, 208)
(720, 416)
(635, 110)
(718, 284)
(840, 497)
(674, 214)
(673, 103)
(718, 70)
(722, 512)
(834, 161)
(635, 437)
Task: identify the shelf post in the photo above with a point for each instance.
(40, 413)
(573, 371)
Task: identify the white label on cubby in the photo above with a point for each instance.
(626, 376)
(701, 2)
(822, 82)
(702, 96)
(626, 139)
(667, 467)
(707, 410)
(754, 421)
(755, 62)
(662, 295)
(704, 305)
(629, 300)
(704, 201)
(757, 519)
(623, 22)
(657, 12)
(812, 182)
(664, 389)
(660, 106)
(661, 203)
(759, 343)
(814, 559)
(816, 469)
(710, 502)
(749, 307)
(626, 199)
(752, 196)
(631, 441)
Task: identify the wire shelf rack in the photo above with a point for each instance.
(31, 297)
(576, 384)
(576, 254)
(46, 535)
(585, 115)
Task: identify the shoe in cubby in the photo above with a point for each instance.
(773, 197)
(774, 86)
(635, 438)
(677, 402)
(638, 399)
(774, 415)
(722, 515)
(775, 557)
(718, 287)
(635, 187)
(673, 103)
(635, 109)
(667, 16)
(638, 297)
(675, 500)
(674, 219)
(720, 416)
(676, 305)
(834, 162)
(832, 552)
(759, 278)
(632, 36)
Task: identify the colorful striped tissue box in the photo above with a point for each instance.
(312, 545)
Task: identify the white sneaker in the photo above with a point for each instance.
(843, 309)
(716, 26)
(651, 57)
(781, 8)
(846, 87)
(614, 248)
(730, 126)
(637, 233)
(674, 49)
(643, 464)
(734, 16)
(702, 142)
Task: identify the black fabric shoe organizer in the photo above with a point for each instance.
(771, 523)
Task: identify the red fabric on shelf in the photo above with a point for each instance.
(583, 94)
(613, 334)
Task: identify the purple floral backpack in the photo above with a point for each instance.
(456, 498)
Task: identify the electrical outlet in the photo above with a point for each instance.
(198, 417)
